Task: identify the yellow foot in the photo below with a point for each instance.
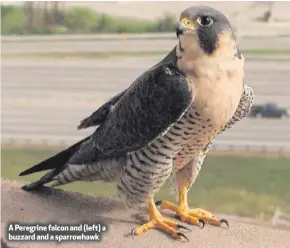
(192, 216)
(158, 221)
(164, 224)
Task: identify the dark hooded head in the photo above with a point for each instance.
(207, 25)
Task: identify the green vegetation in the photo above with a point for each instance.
(251, 186)
(30, 19)
(12, 20)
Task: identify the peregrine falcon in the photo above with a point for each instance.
(163, 124)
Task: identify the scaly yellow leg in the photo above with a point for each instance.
(192, 216)
(157, 221)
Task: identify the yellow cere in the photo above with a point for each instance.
(188, 23)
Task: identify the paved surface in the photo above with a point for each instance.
(98, 44)
(45, 100)
(65, 207)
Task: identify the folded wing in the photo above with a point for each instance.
(155, 101)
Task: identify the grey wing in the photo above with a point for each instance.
(154, 102)
(243, 107)
(100, 115)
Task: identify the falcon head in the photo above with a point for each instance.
(204, 31)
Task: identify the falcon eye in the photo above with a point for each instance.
(205, 21)
(187, 22)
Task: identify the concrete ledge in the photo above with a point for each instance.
(50, 205)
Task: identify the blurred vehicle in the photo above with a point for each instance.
(268, 110)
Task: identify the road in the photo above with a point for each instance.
(43, 101)
(95, 43)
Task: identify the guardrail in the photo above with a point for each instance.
(250, 148)
(132, 36)
(216, 146)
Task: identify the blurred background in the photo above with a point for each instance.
(61, 60)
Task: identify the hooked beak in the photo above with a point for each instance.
(180, 29)
(185, 25)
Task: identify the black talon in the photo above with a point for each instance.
(158, 203)
(226, 222)
(201, 222)
(184, 227)
(177, 216)
(133, 233)
(182, 235)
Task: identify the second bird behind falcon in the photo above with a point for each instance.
(163, 124)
